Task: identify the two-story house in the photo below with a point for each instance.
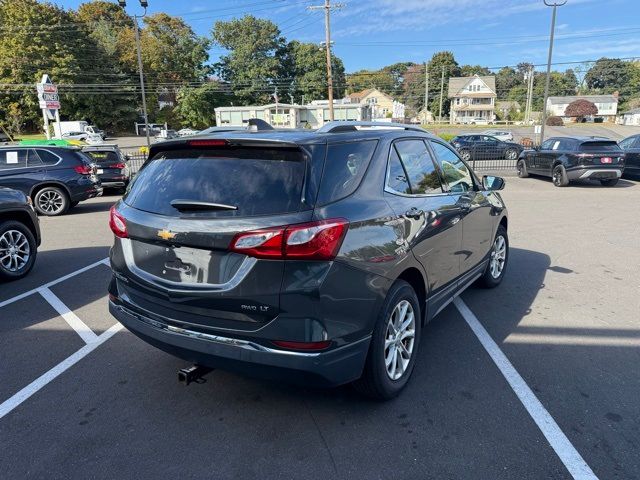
(472, 99)
(382, 105)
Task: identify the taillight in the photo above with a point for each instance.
(319, 240)
(118, 165)
(83, 169)
(117, 223)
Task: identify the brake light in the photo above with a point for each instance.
(606, 160)
(117, 223)
(319, 240)
(83, 169)
(309, 346)
(118, 165)
(208, 143)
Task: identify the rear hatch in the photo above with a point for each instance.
(601, 153)
(108, 163)
(182, 212)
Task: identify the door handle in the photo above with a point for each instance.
(414, 213)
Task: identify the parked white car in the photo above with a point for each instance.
(185, 132)
(499, 134)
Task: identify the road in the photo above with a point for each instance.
(565, 317)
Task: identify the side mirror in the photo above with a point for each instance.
(492, 183)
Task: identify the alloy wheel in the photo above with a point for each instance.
(466, 156)
(14, 250)
(50, 201)
(512, 154)
(498, 256)
(557, 176)
(399, 339)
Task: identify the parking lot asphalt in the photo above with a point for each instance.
(566, 317)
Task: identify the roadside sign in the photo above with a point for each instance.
(48, 94)
(537, 129)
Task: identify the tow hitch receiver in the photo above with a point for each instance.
(191, 374)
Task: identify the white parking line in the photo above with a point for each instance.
(11, 403)
(71, 318)
(104, 261)
(569, 456)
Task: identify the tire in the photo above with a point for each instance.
(498, 259)
(51, 201)
(559, 176)
(609, 183)
(511, 154)
(465, 155)
(521, 167)
(378, 380)
(12, 234)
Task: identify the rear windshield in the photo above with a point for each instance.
(104, 156)
(258, 181)
(599, 146)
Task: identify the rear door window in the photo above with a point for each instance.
(256, 180)
(422, 172)
(456, 174)
(10, 159)
(344, 168)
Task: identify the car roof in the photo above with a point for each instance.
(584, 138)
(43, 145)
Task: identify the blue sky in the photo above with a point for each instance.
(373, 33)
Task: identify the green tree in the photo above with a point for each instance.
(608, 75)
(253, 64)
(506, 79)
(304, 68)
(196, 106)
(471, 70)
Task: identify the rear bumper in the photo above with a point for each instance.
(321, 369)
(594, 173)
(86, 193)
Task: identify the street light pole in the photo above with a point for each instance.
(144, 4)
(555, 5)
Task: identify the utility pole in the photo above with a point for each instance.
(555, 5)
(144, 4)
(327, 41)
(528, 76)
(441, 94)
(426, 91)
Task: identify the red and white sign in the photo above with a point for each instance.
(48, 94)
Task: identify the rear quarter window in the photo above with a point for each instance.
(344, 167)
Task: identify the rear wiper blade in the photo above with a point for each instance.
(191, 205)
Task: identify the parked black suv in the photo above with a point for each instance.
(19, 234)
(485, 147)
(56, 178)
(631, 148)
(315, 257)
(112, 166)
(574, 158)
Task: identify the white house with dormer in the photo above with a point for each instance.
(473, 99)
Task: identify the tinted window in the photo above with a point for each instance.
(599, 146)
(13, 159)
(344, 167)
(474, 138)
(47, 157)
(259, 181)
(489, 139)
(423, 176)
(397, 179)
(567, 144)
(103, 156)
(628, 142)
(33, 160)
(546, 145)
(455, 172)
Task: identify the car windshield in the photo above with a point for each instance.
(599, 146)
(256, 180)
(103, 156)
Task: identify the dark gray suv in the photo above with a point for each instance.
(310, 256)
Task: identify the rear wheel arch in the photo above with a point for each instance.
(36, 188)
(418, 282)
(505, 223)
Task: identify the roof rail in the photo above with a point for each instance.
(350, 126)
